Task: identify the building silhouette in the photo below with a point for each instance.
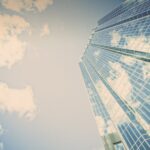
(116, 70)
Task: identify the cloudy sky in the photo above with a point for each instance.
(43, 100)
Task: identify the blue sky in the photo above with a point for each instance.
(45, 70)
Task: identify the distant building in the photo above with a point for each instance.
(116, 70)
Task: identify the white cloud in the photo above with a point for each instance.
(27, 5)
(134, 103)
(42, 4)
(111, 128)
(115, 111)
(128, 60)
(100, 124)
(138, 43)
(119, 80)
(12, 49)
(115, 38)
(20, 101)
(45, 30)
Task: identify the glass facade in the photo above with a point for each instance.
(116, 71)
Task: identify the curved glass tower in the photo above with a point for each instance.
(116, 71)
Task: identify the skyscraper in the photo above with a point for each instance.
(116, 70)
